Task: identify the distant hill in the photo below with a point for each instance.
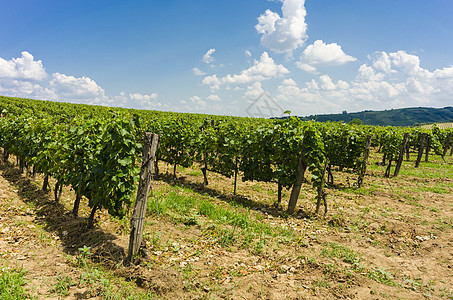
(395, 117)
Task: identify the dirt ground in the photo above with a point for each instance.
(392, 239)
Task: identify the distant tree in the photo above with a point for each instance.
(344, 112)
(355, 122)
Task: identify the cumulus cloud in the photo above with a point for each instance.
(262, 69)
(254, 91)
(283, 34)
(75, 87)
(322, 54)
(26, 77)
(135, 100)
(198, 102)
(407, 63)
(207, 57)
(215, 98)
(388, 80)
(212, 81)
(22, 68)
(197, 71)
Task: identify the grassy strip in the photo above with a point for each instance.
(229, 225)
(12, 284)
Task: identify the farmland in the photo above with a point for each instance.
(390, 238)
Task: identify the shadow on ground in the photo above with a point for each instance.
(230, 198)
(53, 217)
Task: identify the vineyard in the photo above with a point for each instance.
(237, 190)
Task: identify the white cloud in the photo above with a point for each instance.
(207, 57)
(307, 67)
(212, 81)
(389, 80)
(253, 91)
(82, 88)
(140, 97)
(22, 68)
(197, 71)
(382, 62)
(445, 73)
(263, 69)
(199, 104)
(367, 73)
(322, 54)
(326, 83)
(142, 101)
(283, 34)
(25, 77)
(213, 97)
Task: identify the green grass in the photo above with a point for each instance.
(435, 169)
(334, 250)
(195, 173)
(229, 223)
(63, 285)
(12, 284)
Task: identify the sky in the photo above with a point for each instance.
(242, 58)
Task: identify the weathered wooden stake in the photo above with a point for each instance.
(329, 174)
(58, 190)
(408, 156)
(321, 193)
(21, 166)
(301, 166)
(45, 183)
(366, 154)
(235, 175)
(33, 173)
(204, 170)
(420, 149)
(91, 217)
(401, 156)
(446, 146)
(279, 194)
(387, 171)
(427, 148)
(75, 209)
(151, 142)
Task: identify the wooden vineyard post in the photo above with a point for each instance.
(427, 149)
(301, 166)
(235, 175)
(401, 156)
(420, 150)
(366, 154)
(151, 142)
(446, 146)
(407, 153)
(279, 194)
(45, 183)
(321, 193)
(387, 171)
(205, 175)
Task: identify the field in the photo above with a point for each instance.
(440, 125)
(390, 239)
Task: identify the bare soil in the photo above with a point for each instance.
(392, 239)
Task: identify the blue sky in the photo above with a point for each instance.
(220, 56)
